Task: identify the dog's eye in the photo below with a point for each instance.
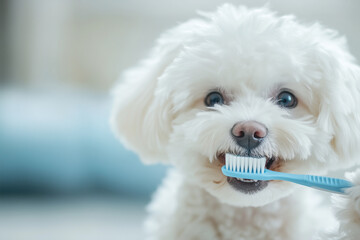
(286, 99)
(214, 98)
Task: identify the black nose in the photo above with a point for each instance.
(249, 134)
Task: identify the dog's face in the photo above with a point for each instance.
(248, 83)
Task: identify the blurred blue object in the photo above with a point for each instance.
(62, 143)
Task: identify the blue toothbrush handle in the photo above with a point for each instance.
(335, 185)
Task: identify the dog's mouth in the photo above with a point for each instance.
(249, 186)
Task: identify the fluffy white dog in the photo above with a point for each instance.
(251, 83)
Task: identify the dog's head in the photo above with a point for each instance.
(245, 82)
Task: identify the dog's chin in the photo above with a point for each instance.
(273, 191)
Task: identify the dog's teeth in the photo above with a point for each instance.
(247, 180)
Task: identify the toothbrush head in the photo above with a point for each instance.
(244, 164)
(246, 169)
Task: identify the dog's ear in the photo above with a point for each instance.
(141, 114)
(340, 101)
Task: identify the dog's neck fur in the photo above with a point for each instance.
(182, 210)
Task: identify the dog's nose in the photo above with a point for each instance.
(249, 134)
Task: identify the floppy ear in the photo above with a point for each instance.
(340, 101)
(141, 115)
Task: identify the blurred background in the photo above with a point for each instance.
(62, 173)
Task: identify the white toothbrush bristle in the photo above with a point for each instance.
(227, 161)
(230, 162)
(256, 166)
(245, 164)
(238, 163)
(234, 163)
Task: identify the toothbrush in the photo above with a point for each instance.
(254, 168)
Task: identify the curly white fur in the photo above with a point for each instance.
(249, 56)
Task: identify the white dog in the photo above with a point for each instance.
(251, 83)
